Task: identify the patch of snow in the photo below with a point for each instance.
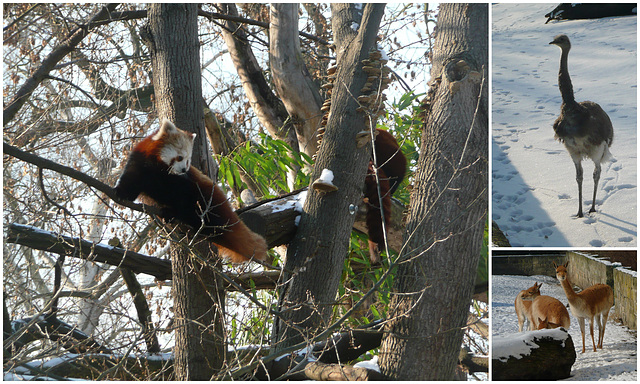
(369, 364)
(167, 356)
(302, 198)
(279, 206)
(384, 54)
(519, 345)
(326, 176)
(628, 271)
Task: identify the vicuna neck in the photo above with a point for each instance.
(568, 289)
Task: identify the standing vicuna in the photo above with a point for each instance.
(523, 308)
(539, 310)
(593, 302)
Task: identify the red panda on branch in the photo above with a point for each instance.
(391, 170)
(159, 172)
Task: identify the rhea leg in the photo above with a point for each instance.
(578, 165)
(596, 178)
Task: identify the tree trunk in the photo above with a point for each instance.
(315, 256)
(300, 95)
(198, 295)
(435, 279)
(268, 108)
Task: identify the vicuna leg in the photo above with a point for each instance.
(596, 178)
(521, 323)
(581, 322)
(598, 318)
(578, 165)
(593, 341)
(605, 316)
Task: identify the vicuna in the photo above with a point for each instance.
(593, 302)
(545, 311)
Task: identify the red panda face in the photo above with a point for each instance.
(176, 148)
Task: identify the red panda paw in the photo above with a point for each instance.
(374, 253)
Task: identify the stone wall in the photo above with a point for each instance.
(527, 265)
(625, 291)
(586, 270)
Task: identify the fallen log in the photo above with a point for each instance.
(547, 354)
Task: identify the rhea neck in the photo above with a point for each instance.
(564, 80)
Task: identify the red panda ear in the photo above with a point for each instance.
(166, 128)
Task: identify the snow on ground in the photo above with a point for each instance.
(616, 361)
(534, 194)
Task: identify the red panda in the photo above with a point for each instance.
(391, 170)
(159, 172)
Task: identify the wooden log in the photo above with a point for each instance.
(547, 354)
(275, 219)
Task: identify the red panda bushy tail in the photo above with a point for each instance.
(232, 236)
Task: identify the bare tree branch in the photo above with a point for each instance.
(76, 247)
(58, 53)
(40, 162)
(142, 308)
(243, 20)
(300, 95)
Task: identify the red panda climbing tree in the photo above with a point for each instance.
(318, 256)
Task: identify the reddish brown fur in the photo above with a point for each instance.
(237, 241)
(391, 170)
(593, 303)
(185, 196)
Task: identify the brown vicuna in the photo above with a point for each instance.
(545, 311)
(593, 302)
(523, 308)
(544, 324)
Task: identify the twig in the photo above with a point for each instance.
(41, 162)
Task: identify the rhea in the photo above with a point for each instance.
(584, 128)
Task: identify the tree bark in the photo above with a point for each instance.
(300, 95)
(443, 238)
(316, 256)
(269, 109)
(172, 36)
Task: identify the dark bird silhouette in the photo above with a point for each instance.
(584, 128)
(574, 11)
